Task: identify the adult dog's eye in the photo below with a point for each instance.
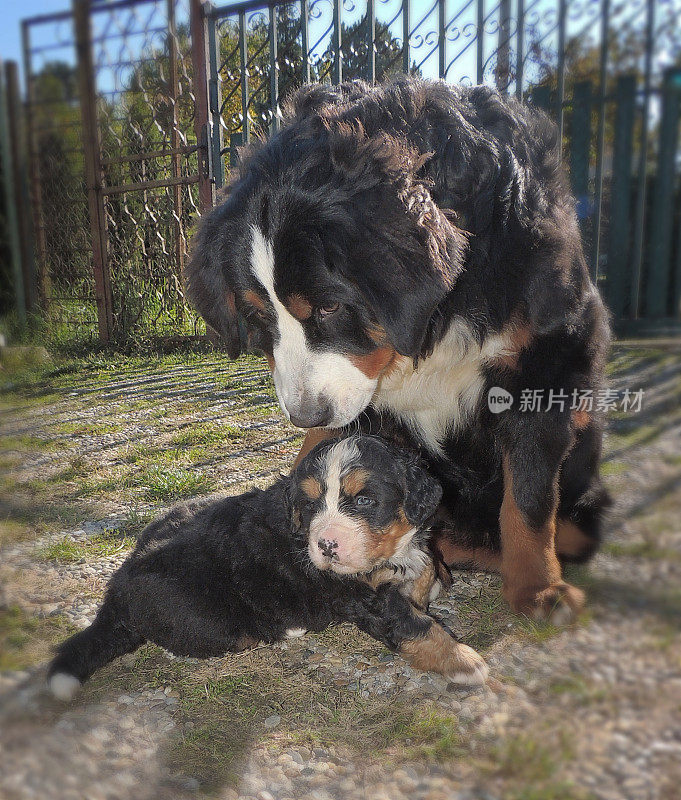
(326, 311)
(363, 500)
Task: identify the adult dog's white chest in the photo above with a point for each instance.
(443, 392)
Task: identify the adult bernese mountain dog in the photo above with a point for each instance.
(345, 538)
(399, 250)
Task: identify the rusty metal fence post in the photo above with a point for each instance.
(20, 168)
(176, 164)
(12, 220)
(93, 170)
(202, 111)
(35, 194)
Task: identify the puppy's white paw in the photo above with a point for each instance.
(63, 686)
(295, 633)
(469, 669)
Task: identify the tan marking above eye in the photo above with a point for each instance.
(353, 483)
(254, 299)
(376, 362)
(377, 334)
(312, 488)
(299, 306)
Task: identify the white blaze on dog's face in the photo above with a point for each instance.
(337, 540)
(316, 387)
(353, 502)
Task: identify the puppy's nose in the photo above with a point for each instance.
(328, 547)
(312, 415)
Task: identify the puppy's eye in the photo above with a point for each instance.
(363, 500)
(327, 311)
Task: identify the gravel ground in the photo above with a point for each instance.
(589, 712)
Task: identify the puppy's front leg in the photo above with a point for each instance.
(421, 640)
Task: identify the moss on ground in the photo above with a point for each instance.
(26, 640)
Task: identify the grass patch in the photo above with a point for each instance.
(644, 549)
(87, 428)
(105, 544)
(562, 790)
(13, 531)
(26, 640)
(224, 703)
(206, 434)
(485, 618)
(579, 691)
(166, 483)
(522, 757)
(610, 469)
(28, 444)
(537, 632)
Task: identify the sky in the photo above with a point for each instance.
(11, 14)
(13, 11)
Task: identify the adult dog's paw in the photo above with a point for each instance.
(559, 604)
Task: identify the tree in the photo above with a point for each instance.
(355, 46)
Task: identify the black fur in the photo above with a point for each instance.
(417, 206)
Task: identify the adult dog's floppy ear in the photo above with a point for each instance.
(208, 290)
(406, 254)
(423, 494)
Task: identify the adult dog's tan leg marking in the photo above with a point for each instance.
(312, 438)
(455, 555)
(530, 566)
(437, 651)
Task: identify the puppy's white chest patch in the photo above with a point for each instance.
(409, 559)
(442, 393)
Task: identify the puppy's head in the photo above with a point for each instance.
(360, 502)
(331, 248)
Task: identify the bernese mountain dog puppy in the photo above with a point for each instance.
(398, 252)
(344, 538)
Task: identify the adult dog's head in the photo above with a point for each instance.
(332, 249)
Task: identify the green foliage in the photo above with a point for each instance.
(105, 544)
(27, 640)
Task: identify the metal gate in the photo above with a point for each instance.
(114, 158)
(136, 109)
(597, 66)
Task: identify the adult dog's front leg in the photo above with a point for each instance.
(529, 565)
(421, 640)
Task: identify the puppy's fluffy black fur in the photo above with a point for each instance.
(218, 576)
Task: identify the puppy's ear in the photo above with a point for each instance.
(423, 494)
(290, 506)
(406, 254)
(208, 290)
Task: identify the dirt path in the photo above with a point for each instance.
(90, 450)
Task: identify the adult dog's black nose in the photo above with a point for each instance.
(315, 415)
